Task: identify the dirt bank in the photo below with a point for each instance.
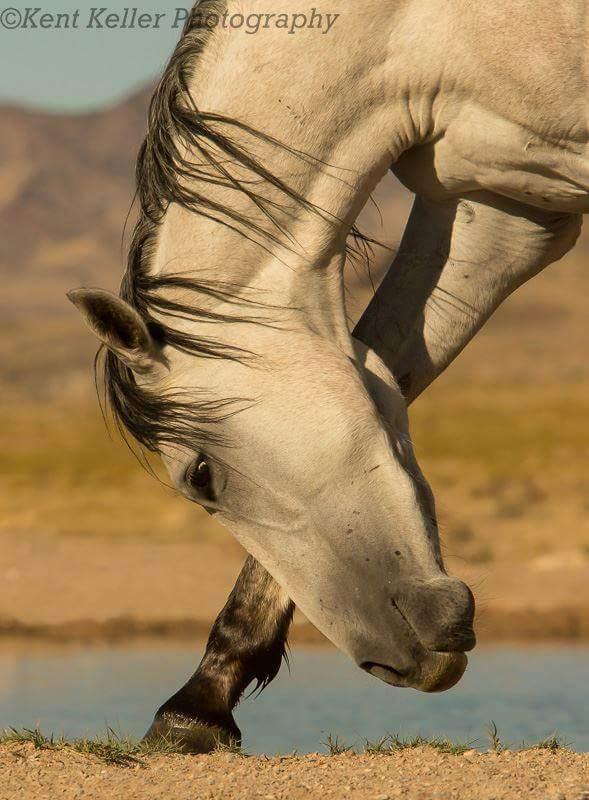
(70, 588)
(421, 774)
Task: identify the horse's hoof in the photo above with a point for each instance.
(189, 735)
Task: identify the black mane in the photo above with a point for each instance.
(165, 175)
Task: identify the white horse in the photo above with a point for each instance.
(229, 353)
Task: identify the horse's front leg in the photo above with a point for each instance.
(247, 643)
(459, 260)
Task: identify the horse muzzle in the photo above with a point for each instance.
(436, 617)
(436, 672)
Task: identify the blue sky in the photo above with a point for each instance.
(80, 68)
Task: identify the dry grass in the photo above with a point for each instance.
(509, 432)
(62, 474)
(123, 751)
(392, 743)
(110, 748)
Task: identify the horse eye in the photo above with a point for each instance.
(199, 476)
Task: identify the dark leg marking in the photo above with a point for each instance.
(247, 643)
(404, 382)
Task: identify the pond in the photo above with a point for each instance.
(529, 693)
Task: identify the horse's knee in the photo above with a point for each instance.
(566, 230)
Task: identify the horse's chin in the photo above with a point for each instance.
(441, 671)
(436, 672)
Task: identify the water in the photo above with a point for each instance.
(529, 693)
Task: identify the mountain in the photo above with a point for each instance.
(66, 183)
(65, 187)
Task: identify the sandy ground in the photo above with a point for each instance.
(79, 588)
(421, 774)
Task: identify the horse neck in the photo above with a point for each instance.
(347, 133)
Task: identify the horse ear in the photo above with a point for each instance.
(118, 326)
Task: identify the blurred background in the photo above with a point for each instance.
(91, 547)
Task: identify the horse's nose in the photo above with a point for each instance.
(441, 613)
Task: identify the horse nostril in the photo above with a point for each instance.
(440, 613)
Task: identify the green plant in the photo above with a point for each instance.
(552, 743)
(392, 743)
(335, 747)
(110, 748)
